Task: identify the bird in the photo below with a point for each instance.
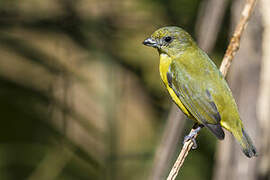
(197, 86)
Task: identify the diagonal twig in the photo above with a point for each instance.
(226, 62)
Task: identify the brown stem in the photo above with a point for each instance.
(235, 40)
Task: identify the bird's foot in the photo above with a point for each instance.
(191, 136)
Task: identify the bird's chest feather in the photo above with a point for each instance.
(164, 65)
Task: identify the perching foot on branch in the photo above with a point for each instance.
(192, 135)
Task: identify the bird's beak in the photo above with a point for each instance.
(150, 42)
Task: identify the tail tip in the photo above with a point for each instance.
(252, 152)
(248, 149)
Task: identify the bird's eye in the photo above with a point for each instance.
(168, 39)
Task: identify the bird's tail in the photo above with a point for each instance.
(246, 144)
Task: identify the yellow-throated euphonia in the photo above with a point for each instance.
(197, 86)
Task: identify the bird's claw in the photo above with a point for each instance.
(191, 136)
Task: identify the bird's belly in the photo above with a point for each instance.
(177, 101)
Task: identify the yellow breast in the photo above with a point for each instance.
(165, 62)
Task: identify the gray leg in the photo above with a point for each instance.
(191, 136)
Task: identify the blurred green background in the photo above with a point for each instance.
(81, 97)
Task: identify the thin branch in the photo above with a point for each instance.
(164, 154)
(226, 62)
(235, 40)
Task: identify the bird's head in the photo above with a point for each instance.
(170, 40)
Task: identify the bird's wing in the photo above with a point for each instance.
(196, 99)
